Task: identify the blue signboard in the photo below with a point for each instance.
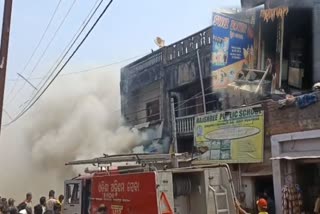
(232, 48)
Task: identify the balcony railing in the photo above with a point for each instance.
(185, 125)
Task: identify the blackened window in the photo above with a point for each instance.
(153, 110)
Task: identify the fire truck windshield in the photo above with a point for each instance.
(73, 193)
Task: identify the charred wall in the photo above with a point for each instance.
(170, 67)
(181, 65)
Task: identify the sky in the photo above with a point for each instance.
(128, 29)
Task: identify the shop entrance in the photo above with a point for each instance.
(307, 175)
(264, 183)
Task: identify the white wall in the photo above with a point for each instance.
(249, 190)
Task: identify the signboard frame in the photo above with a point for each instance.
(232, 49)
(232, 136)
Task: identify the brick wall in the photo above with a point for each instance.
(290, 119)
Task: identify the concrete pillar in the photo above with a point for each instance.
(316, 41)
(277, 175)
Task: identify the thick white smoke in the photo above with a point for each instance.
(77, 118)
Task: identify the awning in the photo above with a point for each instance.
(298, 155)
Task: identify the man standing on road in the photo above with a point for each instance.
(27, 203)
(43, 204)
(11, 208)
(51, 201)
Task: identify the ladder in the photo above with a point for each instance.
(141, 158)
(222, 194)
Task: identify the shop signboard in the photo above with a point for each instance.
(233, 136)
(232, 49)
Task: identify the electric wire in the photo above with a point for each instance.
(81, 28)
(6, 112)
(39, 43)
(67, 49)
(45, 50)
(64, 65)
(89, 69)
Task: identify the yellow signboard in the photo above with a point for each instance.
(233, 136)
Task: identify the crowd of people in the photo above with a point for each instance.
(45, 206)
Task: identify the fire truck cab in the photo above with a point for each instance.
(148, 189)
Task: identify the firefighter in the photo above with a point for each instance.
(262, 205)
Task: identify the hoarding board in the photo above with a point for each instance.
(124, 194)
(234, 136)
(232, 49)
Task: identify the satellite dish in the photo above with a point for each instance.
(159, 42)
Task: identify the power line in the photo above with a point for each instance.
(5, 111)
(75, 37)
(63, 55)
(64, 65)
(45, 50)
(38, 44)
(67, 49)
(89, 69)
(96, 68)
(43, 35)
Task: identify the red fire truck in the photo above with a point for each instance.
(155, 184)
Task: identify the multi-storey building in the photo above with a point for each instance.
(163, 92)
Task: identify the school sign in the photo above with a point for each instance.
(234, 136)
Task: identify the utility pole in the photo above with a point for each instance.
(201, 82)
(6, 22)
(174, 127)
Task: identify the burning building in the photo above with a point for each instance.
(240, 92)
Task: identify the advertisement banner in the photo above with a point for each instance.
(234, 136)
(232, 49)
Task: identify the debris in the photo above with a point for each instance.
(306, 100)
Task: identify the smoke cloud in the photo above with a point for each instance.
(77, 118)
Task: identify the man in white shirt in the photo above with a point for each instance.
(51, 201)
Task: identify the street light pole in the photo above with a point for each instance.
(6, 22)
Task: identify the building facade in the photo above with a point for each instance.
(172, 72)
(164, 92)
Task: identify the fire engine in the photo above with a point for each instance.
(151, 184)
